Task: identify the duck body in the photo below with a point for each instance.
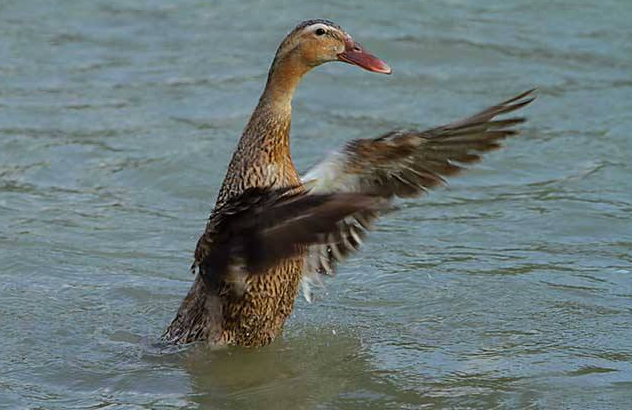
(254, 318)
(237, 304)
(257, 316)
(262, 159)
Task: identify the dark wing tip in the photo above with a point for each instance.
(521, 96)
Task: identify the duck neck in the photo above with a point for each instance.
(270, 122)
(283, 77)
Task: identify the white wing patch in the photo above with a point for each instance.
(329, 176)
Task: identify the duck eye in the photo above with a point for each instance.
(320, 31)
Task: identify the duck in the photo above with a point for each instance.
(273, 232)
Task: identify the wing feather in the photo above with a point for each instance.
(401, 164)
(252, 232)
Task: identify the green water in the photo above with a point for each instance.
(510, 289)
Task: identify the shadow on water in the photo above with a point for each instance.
(315, 368)
(312, 370)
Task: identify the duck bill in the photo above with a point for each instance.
(356, 55)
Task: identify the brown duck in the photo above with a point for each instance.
(272, 229)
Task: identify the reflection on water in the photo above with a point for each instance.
(509, 289)
(320, 370)
(315, 368)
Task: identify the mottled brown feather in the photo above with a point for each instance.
(407, 164)
(254, 231)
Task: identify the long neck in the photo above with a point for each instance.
(285, 73)
(263, 154)
(270, 121)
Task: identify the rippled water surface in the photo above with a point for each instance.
(509, 289)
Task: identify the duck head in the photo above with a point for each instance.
(315, 42)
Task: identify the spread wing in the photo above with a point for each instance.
(253, 231)
(401, 164)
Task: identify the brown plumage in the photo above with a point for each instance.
(270, 230)
(251, 232)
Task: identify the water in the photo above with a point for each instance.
(510, 289)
